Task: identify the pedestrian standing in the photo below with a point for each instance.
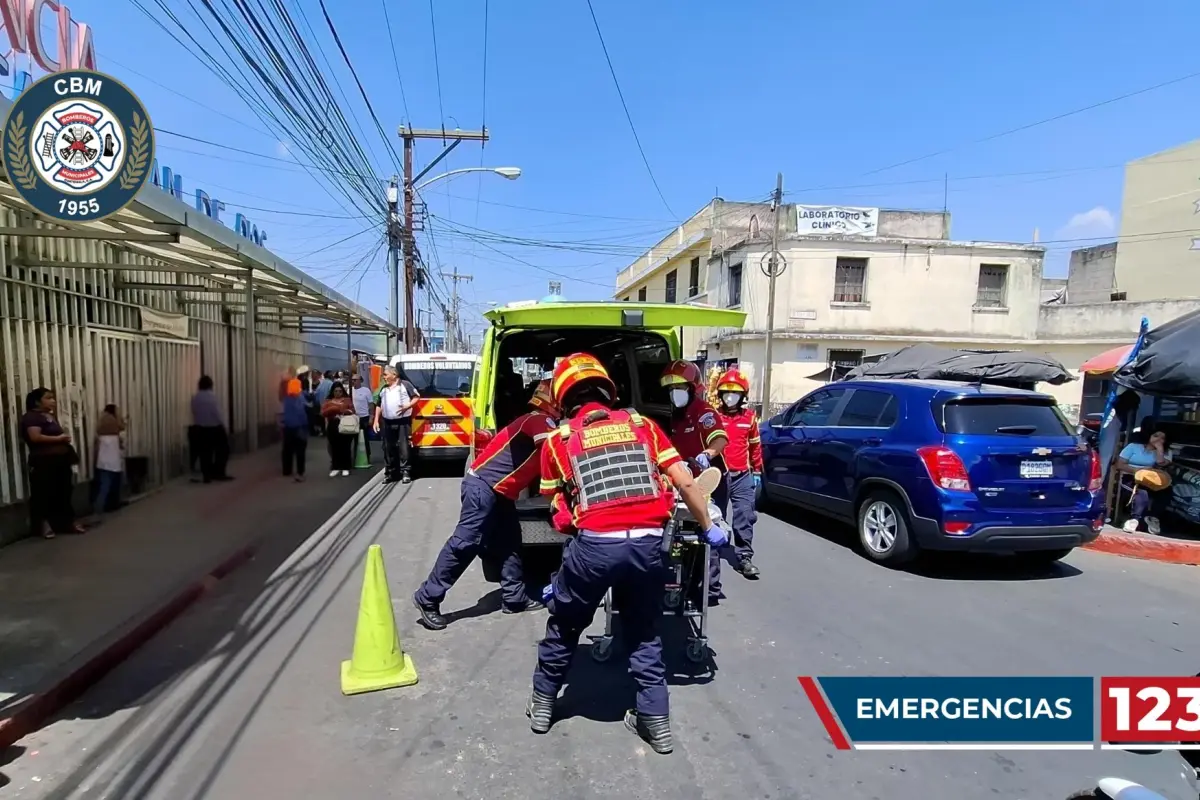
(110, 457)
(338, 412)
(51, 456)
(609, 474)
(697, 434)
(393, 419)
(487, 520)
(743, 459)
(294, 421)
(363, 401)
(212, 435)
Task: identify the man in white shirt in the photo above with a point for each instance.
(393, 417)
(363, 400)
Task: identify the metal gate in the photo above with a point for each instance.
(151, 381)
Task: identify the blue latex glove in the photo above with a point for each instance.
(716, 537)
(702, 461)
(547, 593)
(757, 480)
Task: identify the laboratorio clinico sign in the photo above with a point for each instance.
(78, 145)
(836, 221)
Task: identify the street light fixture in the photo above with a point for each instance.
(509, 173)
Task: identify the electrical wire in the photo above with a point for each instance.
(625, 106)
(437, 69)
(395, 59)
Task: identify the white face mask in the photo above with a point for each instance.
(679, 398)
(731, 399)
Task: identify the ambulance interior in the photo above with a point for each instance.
(634, 359)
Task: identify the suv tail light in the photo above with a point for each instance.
(1096, 481)
(946, 469)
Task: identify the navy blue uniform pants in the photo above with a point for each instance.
(742, 514)
(487, 525)
(634, 570)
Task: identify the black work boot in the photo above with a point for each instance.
(431, 615)
(528, 605)
(540, 711)
(748, 570)
(655, 731)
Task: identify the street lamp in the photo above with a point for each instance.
(509, 173)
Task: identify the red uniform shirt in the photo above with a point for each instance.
(510, 461)
(744, 451)
(695, 428)
(557, 473)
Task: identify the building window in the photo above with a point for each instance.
(626, 298)
(993, 286)
(642, 295)
(672, 281)
(842, 361)
(694, 278)
(808, 351)
(850, 281)
(735, 285)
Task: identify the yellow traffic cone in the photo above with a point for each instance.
(378, 661)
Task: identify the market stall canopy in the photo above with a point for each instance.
(930, 362)
(1108, 361)
(1168, 363)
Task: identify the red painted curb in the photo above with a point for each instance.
(32, 713)
(1168, 551)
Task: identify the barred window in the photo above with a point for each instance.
(850, 281)
(993, 286)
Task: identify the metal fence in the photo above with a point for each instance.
(73, 330)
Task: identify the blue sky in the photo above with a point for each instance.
(723, 96)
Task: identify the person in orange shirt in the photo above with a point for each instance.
(743, 459)
(697, 434)
(610, 475)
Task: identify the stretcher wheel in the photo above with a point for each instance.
(673, 598)
(697, 651)
(602, 650)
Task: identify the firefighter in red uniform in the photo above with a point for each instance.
(697, 435)
(743, 460)
(610, 474)
(488, 518)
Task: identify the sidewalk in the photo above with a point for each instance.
(73, 603)
(1147, 547)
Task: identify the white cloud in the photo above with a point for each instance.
(1098, 221)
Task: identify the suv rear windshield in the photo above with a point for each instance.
(1012, 416)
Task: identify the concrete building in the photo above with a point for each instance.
(874, 281)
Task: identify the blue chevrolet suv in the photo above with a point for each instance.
(936, 465)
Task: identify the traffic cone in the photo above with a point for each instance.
(361, 461)
(378, 661)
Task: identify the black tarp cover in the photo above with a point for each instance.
(1168, 363)
(930, 362)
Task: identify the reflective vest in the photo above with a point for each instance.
(613, 471)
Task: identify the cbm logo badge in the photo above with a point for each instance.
(78, 145)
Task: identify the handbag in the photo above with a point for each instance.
(348, 425)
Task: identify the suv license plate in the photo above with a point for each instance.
(439, 427)
(1037, 469)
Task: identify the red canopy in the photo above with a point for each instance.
(1107, 361)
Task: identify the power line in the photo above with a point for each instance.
(1039, 123)
(395, 59)
(437, 69)
(625, 106)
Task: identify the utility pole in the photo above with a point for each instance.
(393, 239)
(454, 279)
(410, 135)
(775, 267)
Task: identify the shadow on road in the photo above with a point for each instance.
(603, 692)
(293, 568)
(933, 565)
(8, 756)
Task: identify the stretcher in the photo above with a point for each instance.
(685, 559)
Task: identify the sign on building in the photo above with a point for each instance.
(836, 221)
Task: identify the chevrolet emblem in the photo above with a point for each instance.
(1041, 451)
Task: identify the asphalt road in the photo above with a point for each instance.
(240, 697)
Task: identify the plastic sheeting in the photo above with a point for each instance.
(930, 362)
(1168, 363)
